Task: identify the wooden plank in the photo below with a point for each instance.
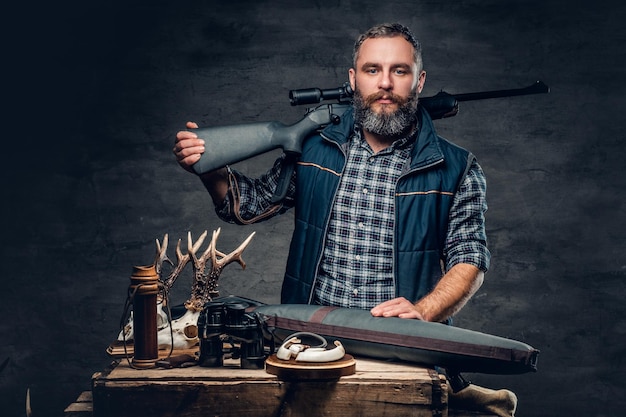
(85, 397)
(82, 407)
(377, 388)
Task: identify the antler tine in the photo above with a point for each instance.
(199, 262)
(179, 252)
(213, 246)
(161, 254)
(192, 248)
(182, 259)
(234, 256)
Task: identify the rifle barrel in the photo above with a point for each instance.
(537, 88)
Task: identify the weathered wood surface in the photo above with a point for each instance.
(82, 407)
(377, 388)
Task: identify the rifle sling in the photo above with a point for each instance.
(235, 203)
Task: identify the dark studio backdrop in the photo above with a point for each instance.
(95, 91)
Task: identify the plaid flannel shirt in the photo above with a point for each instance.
(356, 270)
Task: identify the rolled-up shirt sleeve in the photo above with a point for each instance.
(466, 240)
(253, 195)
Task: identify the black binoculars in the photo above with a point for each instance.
(221, 322)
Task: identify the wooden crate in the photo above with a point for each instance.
(376, 389)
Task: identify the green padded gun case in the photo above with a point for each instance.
(399, 339)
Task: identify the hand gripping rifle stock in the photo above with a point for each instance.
(226, 145)
(230, 144)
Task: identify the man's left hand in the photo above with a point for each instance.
(398, 307)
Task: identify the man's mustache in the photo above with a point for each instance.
(369, 100)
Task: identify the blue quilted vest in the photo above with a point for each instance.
(424, 196)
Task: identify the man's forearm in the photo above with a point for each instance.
(451, 293)
(216, 183)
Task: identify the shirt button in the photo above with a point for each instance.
(365, 191)
(361, 225)
(357, 257)
(355, 291)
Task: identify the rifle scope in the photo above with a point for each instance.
(316, 95)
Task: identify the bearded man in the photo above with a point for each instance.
(389, 216)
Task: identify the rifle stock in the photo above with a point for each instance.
(226, 145)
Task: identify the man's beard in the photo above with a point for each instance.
(395, 124)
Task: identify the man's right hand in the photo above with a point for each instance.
(188, 147)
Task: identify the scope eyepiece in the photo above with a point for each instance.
(316, 95)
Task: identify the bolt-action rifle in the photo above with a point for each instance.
(230, 144)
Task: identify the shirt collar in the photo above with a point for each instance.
(402, 143)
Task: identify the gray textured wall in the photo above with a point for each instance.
(97, 90)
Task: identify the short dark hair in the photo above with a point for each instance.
(390, 30)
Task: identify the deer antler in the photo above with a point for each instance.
(183, 259)
(204, 286)
(234, 256)
(196, 301)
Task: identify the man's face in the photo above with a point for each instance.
(386, 84)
